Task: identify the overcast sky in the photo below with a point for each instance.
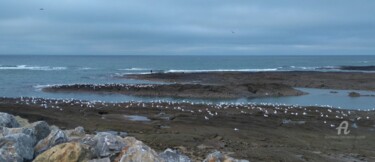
(196, 27)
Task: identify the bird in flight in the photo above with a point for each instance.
(41, 9)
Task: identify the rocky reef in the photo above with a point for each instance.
(308, 79)
(249, 90)
(359, 68)
(40, 142)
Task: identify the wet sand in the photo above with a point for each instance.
(253, 132)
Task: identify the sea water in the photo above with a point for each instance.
(26, 75)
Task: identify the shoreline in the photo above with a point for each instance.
(257, 132)
(248, 131)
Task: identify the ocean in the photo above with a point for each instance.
(26, 75)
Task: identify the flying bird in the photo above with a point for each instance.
(41, 9)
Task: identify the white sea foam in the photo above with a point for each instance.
(26, 67)
(122, 74)
(135, 69)
(86, 68)
(307, 68)
(40, 87)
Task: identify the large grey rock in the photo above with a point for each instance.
(41, 128)
(104, 144)
(56, 137)
(137, 151)
(101, 160)
(78, 131)
(16, 147)
(217, 156)
(37, 130)
(22, 121)
(75, 134)
(7, 120)
(173, 156)
(8, 153)
(115, 133)
(4, 131)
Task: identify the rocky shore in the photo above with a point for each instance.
(256, 132)
(308, 79)
(40, 142)
(184, 90)
(358, 68)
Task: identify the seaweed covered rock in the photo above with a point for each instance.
(354, 94)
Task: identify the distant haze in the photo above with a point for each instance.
(187, 27)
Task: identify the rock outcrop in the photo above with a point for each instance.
(220, 157)
(41, 128)
(249, 90)
(137, 151)
(66, 152)
(104, 144)
(170, 155)
(9, 121)
(16, 147)
(56, 137)
(40, 142)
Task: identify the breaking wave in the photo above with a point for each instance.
(27, 67)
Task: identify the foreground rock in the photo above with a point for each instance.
(137, 151)
(241, 130)
(39, 142)
(56, 137)
(104, 144)
(66, 152)
(7, 120)
(75, 134)
(185, 90)
(170, 155)
(16, 147)
(41, 128)
(219, 157)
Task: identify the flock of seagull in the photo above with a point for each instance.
(211, 110)
(101, 86)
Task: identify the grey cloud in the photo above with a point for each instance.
(187, 27)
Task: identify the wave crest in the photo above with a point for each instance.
(27, 67)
